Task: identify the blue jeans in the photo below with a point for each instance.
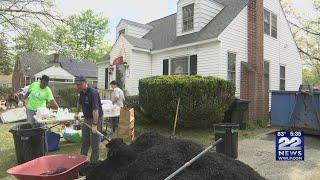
(30, 116)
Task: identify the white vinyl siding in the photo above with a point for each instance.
(204, 12)
(137, 31)
(131, 30)
(121, 48)
(101, 74)
(56, 72)
(234, 39)
(208, 10)
(207, 58)
(282, 51)
(140, 67)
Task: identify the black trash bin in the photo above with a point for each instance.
(29, 141)
(237, 116)
(229, 134)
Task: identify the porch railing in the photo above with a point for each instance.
(105, 93)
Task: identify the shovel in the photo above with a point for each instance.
(193, 160)
(98, 132)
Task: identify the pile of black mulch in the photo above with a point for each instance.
(154, 157)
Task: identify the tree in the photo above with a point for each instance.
(310, 77)
(15, 18)
(87, 35)
(306, 31)
(34, 39)
(16, 15)
(6, 57)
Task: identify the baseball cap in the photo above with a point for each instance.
(79, 80)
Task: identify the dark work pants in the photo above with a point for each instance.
(115, 123)
(90, 139)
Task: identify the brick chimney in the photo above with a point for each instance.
(252, 73)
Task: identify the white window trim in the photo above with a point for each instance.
(269, 73)
(182, 27)
(285, 76)
(235, 68)
(176, 57)
(270, 16)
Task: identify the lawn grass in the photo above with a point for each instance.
(201, 136)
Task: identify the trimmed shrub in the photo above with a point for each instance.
(69, 96)
(203, 100)
(5, 90)
(132, 102)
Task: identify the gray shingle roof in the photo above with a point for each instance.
(38, 63)
(32, 63)
(79, 68)
(104, 59)
(163, 34)
(139, 42)
(137, 24)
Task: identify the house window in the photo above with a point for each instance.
(180, 66)
(282, 78)
(232, 67)
(266, 22)
(187, 14)
(186, 65)
(274, 28)
(123, 31)
(270, 24)
(266, 68)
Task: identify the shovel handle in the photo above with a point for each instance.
(98, 132)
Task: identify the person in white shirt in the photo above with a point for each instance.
(117, 99)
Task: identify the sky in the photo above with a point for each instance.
(142, 11)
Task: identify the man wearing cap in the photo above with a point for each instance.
(38, 95)
(90, 103)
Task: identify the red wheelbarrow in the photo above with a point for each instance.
(54, 167)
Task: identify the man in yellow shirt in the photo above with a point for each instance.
(38, 95)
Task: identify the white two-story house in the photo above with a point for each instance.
(248, 42)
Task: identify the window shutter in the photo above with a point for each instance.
(193, 65)
(166, 67)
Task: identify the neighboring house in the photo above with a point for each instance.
(248, 42)
(5, 80)
(31, 66)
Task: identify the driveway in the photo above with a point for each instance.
(259, 153)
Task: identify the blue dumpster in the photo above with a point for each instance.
(296, 110)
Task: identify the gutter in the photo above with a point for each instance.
(140, 49)
(185, 45)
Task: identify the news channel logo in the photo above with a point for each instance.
(290, 146)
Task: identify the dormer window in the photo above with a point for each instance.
(123, 31)
(188, 14)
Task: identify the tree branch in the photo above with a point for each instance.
(46, 14)
(308, 54)
(304, 29)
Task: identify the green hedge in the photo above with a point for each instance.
(69, 96)
(132, 102)
(5, 91)
(204, 100)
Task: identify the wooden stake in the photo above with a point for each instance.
(176, 118)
